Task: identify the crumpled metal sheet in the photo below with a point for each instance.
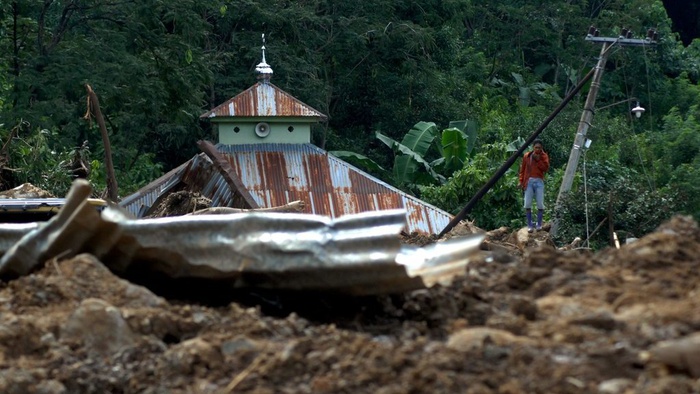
(354, 254)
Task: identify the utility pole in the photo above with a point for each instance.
(625, 39)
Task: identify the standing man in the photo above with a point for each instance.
(535, 164)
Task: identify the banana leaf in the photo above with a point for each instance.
(420, 137)
(361, 161)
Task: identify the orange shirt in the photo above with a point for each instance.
(531, 168)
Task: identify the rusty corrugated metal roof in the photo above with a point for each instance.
(139, 202)
(276, 174)
(263, 99)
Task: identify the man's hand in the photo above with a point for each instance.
(535, 156)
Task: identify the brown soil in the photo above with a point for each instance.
(526, 318)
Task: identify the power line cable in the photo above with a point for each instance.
(631, 124)
(585, 196)
(650, 104)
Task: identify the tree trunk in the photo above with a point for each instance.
(94, 108)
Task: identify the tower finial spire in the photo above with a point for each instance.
(263, 47)
(263, 69)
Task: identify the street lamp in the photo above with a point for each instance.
(638, 110)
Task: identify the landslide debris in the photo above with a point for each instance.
(527, 318)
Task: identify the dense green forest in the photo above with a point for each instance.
(378, 69)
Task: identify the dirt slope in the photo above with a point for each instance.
(526, 319)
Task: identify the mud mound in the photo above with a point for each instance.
(541, 321)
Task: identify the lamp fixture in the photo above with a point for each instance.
(638, 110)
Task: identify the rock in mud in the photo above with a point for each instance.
(99, 327)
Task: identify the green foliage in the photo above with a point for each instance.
(526, 93)
(501, 206)
(456, 144)
(676, 148)
(143, 59)
(681, 135)
(410, 153)
(685, 182)
(614, 193)
(141, 172)
(35, 158)
(411, 168)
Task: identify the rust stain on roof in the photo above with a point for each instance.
(277, 174)
(262, 100)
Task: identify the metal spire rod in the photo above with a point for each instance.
(263, 48)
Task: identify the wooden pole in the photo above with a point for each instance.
(94, 108)
(587, 240)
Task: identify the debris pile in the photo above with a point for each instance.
(26, 190)
(180, 203)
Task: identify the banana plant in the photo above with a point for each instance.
(411, 166)
(457, 142)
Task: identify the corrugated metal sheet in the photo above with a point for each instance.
(357, 254)
(262, 100)
(276, 174)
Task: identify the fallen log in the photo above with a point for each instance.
(294, 206)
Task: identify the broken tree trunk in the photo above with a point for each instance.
(294, 206)
(94, 108)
